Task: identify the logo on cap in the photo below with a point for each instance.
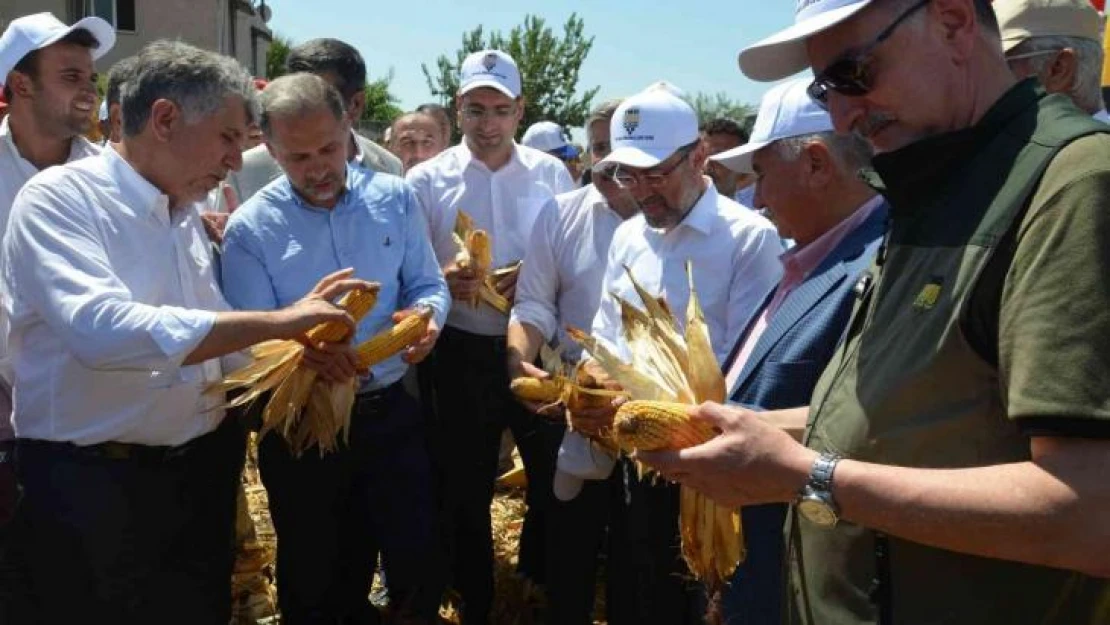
(489, 61)
(631, 120)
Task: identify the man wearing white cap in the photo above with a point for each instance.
(810, 187)
(502, 186)
(48, 75)
(1060, 43)
(560, 286)
(549, 137)
(658, 156)
(952, 468)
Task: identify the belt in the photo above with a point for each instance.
(373, 403)
(115, 450)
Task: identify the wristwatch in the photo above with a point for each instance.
(816, 502)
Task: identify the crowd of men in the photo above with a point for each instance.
(901, 270)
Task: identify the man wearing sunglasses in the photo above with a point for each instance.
(1060, 43)
(953, 461)
(658, 157)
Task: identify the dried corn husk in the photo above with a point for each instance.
(304, 410)
(476, 253)
(669, 372)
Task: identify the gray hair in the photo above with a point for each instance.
(850, 152)
(298, 94)
(1087, 90)
(603, 113)
(120, 73)
(196, 80)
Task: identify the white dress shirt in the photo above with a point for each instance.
(1102, 116)
(505, 203)
(15, 171)
(735, 256)
(560, 281)
(108, 292)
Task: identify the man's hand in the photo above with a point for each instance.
(551, 410)
(316, 307)
(463, 283)
(417, 352)
(595, 422)
(506, 286)
(214, 225)
(750, 462)
(335, 362)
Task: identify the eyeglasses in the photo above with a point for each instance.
(851, 74)
(1029, 55)
(627, 178)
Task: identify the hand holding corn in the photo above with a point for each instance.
(462, 281)
(418, 351)
(334, 362)
(751, 462)
(317, 309)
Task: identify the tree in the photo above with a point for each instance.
(549, 66)
(381, 105)
(712, 106)
(276, 55)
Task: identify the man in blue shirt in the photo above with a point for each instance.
(332, 512)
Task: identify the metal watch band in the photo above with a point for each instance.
(820, 476)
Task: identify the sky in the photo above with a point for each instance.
(692, 44)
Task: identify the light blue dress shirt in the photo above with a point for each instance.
(277, 247)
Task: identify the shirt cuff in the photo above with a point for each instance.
(179, 331)
(537, 316)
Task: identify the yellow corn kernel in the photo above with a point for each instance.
(357, 303)
(481, 251)
(534, 389)
(389, 342)
(649, 425)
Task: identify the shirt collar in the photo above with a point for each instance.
(360, 154)
(147, 198)
(703, 214)
(466, 158)
(300, 202)
(801, 260)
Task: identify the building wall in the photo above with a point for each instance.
(203, 23)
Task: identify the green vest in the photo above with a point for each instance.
(907, 388)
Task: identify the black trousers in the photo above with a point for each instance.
(333, 513)
(576, 531)
(648, 582)
(473, 405)
(128, 539)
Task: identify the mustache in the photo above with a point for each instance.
(871, 124)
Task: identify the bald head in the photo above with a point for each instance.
(415, 138)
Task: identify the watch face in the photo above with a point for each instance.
(818, 512)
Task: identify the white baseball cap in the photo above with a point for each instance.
(34, 32)
(784, 53)
(786, 111)
(490, 68)
(650, 126)
(549, 137)
(579, 459)
(1019, 20)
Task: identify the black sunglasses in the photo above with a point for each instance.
(851, 74)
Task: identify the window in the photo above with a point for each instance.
(118, 13)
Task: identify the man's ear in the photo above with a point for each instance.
(1061, 74)
(165, 118)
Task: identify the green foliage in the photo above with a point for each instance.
(712, 106)
(276, 55)
(549, 65)
(381, 105)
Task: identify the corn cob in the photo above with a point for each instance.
(537, 390)
(357, 303)
(389, 342)
(650, 425)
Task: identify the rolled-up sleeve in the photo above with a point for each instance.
(537, 289)
(422, 282)
(55, 261)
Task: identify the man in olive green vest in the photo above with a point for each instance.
(954, 457)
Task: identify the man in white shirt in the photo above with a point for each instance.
(658, 156)
(129, 470)
(502, 186)
(1058, 42)
(560, 285)
(342, 66)
(48, 75)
